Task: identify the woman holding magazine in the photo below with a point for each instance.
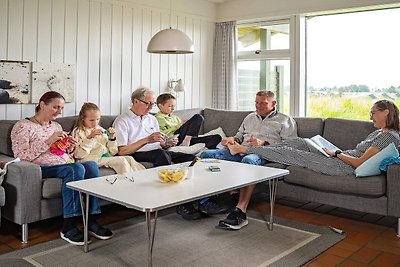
(385, 116)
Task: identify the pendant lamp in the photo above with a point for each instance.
(170, 41)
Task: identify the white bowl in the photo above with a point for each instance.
(172, 174)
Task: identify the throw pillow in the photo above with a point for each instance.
(371, 166)
(215, 131)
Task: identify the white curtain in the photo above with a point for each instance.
(225, 85)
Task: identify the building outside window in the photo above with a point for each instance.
(263, 62)
(352, 61)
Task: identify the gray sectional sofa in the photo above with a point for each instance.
(29, 198)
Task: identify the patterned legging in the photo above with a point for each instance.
(298, 153)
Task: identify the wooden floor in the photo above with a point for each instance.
(371, 239)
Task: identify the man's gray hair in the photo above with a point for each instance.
(266, 93)
(140, 93)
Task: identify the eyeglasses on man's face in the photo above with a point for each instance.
(149, 104)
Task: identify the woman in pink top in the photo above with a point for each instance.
(42, 141)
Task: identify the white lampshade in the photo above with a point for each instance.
(180, 86)
(170, 41)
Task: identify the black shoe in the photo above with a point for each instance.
(99, 231)
(73, 236)
(188, 212)
(235, 220)
(210, 207)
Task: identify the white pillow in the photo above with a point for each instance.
(371, 166)
(215, 131)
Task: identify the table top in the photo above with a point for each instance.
(148, 193)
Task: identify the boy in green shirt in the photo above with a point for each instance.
(186, 131)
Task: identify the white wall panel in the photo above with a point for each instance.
(70, 45)
(137, 50)
(196, 63)
(82, 60)
(107, 40)
(155, 58)
(116, 59)
(94, 52)
(188, 67)
(57, 31)
(29, 44)
(180, 66)
(164, 59)
(15, 40)
(127, 59)
(146, 35)
(3, 43)
(105, 57)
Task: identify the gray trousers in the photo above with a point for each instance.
(298, 153)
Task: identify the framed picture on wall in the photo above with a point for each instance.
(53, 77)
(15, 82)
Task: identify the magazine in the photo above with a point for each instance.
(3, 168)
(319, 143)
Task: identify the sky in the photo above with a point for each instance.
(357, 48)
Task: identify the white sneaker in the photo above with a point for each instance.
(194, 149)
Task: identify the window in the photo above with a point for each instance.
(352, 61)
(263, 62)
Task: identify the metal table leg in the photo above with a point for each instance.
(273, 185)
(85, 216)
(151, 233)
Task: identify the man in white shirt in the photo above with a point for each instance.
(138, 133)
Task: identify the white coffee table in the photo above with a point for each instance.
(149, 195)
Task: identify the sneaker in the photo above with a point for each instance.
(188, 212)
(210, 207)
(99, 231)
(235, 220)
(194, 149)
(74, 236)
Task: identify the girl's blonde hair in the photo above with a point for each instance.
(85, 107)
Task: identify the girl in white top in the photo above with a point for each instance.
(99, 145)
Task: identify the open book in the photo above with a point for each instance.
(319, 142)
(3, 168)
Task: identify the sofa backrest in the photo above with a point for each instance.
(309, 127)
(345, 133)
(5, 140)
(67, 123)
(229, 121)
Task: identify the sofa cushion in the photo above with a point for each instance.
(5, 140)
(230, 121)
(371, 166)
(373, 186)
(309, 127)
(51, 187)
(337, 131)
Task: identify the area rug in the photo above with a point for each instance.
(187, 243)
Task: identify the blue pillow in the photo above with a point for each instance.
(371, 166)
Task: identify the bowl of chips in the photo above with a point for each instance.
(172, 174)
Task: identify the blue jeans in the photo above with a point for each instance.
(226, 155)
(73, 172)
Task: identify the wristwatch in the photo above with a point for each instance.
(337, 152)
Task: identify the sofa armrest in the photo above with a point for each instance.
(23, 187)
(392, 189)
